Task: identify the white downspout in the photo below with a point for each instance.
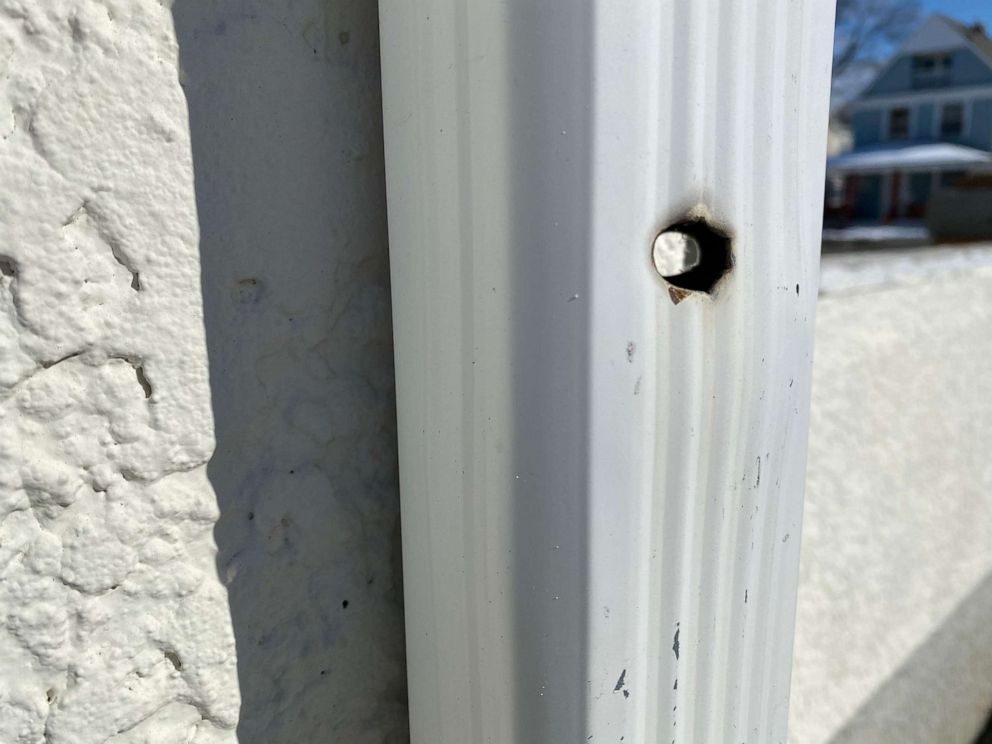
(601, 487)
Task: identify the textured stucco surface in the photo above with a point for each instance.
(172, 276)
(113, 624)
(894, 628)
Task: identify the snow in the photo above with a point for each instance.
(863, 270)
(909, 156)
(876, 233)
(893, 641)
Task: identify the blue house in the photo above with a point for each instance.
(924, 122)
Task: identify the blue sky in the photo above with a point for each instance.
(966, 11)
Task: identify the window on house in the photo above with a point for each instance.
(952, 120)
(932, 70)
(899, 123)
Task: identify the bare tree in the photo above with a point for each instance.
(867, 29)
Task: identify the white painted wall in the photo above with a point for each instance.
(893, 638)
(113, 625)
(285, 120)
(168, 281)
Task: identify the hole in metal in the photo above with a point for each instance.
(691, 255)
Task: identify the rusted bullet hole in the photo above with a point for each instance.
(692, 256)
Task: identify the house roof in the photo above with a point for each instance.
(937, 33)
(975, 34)
(911, 155)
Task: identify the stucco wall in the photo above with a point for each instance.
(113, 623)
(893, 638)
(285, 120)
(167, 281)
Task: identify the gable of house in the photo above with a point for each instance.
(937, 86)
(966, 69)
(941, 54)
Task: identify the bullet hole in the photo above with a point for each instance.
(692, 256)
(344, 605)
(50, 696)
(7, 266)
(323, 672)
(251, 516)
(174, 659)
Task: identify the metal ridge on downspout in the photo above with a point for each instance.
(604, 239)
